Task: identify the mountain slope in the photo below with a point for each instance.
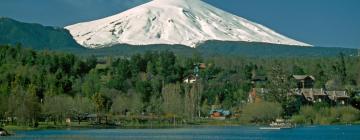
(186, 22)
(57, 39)
(36, 36)
(225, 49)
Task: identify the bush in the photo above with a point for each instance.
(298, 119)
(308, 112)
(348, 114)
(326, 115)
(262, 112)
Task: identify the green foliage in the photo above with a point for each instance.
(43, 85)
(326, 115)
(121, 105)
(36, 36)
(348, 114)
(263, 112)
(91, 84)
(57, 107)
(173, 102)
(210, 49)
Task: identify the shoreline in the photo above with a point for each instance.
(12, 128)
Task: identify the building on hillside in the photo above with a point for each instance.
(314, 95)
(338, 97)
(258, 80)
(304, 81)
(196, 72)
(190, 79)
(219, 114)
(202, 66)
(305, 91)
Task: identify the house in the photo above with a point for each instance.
(304, 81)
(201, 65)
(314, 95)
(258, 79)
(194, 77)
(339, 97)
(190, 79)
(305, 91)
(219, 114)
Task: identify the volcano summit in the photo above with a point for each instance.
(185, 22)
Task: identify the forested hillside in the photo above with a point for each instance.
(36, 36)
(225, 48)
(48, 86)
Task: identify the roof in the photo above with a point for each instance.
(222, 111)
(295, 91)
(318, 92)
(337, 94)
(314, 91)
(310, 93)
(302, 77)
(259, 78)
(202, 65)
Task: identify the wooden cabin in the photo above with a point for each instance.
(314, 95)
(338, 97)
(190, 79)
(304, 81)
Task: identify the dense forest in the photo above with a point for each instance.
(224, 48)
(44, 86)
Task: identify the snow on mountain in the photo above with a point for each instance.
(186, 22)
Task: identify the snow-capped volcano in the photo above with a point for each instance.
(186, 22)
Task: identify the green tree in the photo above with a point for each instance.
(57, 108)
(280, 90)
(137, 104)
(91, 84)
(172, 100)
(262, 112)
(193, 100)
(82, 106)
(121, 105)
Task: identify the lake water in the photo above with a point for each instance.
(211, 133)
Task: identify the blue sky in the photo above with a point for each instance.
(318, 22)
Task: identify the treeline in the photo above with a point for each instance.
(223, 48)
(49, 86)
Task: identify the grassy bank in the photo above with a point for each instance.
(327, 115)
(126, 125)
(149, 125)
(45, 125)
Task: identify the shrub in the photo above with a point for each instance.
(298, 119)
(348, 114)
(326, 115)
(309, 114)
(262, 112)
